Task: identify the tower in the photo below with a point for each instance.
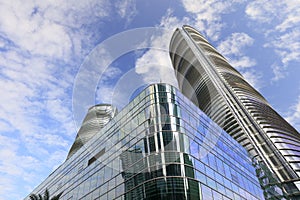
(219, 90)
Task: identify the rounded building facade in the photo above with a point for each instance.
(206, 77)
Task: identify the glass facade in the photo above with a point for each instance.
(160, 146)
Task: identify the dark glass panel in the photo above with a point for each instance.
(173, 170)
(189, 171)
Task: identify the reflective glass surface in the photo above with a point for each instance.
(160, 146)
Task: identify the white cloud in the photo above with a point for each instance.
(287, 46)
(126, 9)
(279, 72)
(48, 28)
(155, 65)
(152, 65)
(33, 33)
(208, 14)
(294, 115)
(6, 185)
(2, 43)
(242, 62)
(235, 44)
(26, 80)
(290, 21)
(264, 11)
(105, 92)
(155, 68)
(39, 42)
(42, 36)
(13, 165)
(233, 48)
(253, 78)
(279, 21)
(5, 126)
(110, 73)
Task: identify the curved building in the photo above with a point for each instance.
(205, 77)
(96, 118)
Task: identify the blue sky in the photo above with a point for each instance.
(48, 47)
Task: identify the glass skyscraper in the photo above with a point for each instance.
(221, 92)
(160, 146)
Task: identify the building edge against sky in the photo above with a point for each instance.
(160, 146)
(206, 78)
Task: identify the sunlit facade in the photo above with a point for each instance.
(160, 146)
(207, 79)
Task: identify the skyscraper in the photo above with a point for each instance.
(219, 90)
(159, 146)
